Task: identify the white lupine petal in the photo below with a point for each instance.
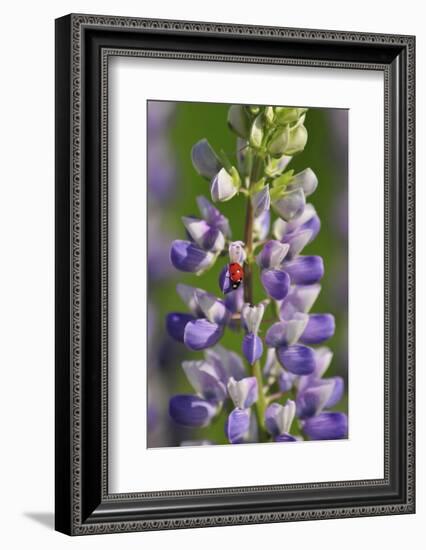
(203, 234)
(272, 255)
(213, 309)
(287, 416)
(237, 253)
(261, 201)
(280, 228)
(306, 180)
(222, 186)
(252, 316)
(299, 241)
(244, 392)
(295, 327)
(323, 357)
(279, 418)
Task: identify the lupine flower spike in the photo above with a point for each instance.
(289, 398)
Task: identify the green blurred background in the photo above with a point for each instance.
(326, 153)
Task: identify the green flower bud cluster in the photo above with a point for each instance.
(273, 131)
(268, 138)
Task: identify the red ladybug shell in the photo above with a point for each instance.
(236, 274)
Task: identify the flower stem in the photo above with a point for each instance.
(261, 401)
(248, 241)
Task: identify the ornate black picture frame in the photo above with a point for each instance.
(83, 45)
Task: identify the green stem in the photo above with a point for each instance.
(248, 241)
(261, 401)
(256, 171)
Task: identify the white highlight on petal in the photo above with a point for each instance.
(277, 251)
(306, 180)
(213, 309)
(239, 391)
(222, 186)
(323, 358)
(192, 369)
(299, 241)
(252, 316)
(199, 230)
(279, 228)
(237, 253)
(295, 327)
(284, 415)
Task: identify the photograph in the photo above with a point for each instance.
(235, 273)
(247, 262)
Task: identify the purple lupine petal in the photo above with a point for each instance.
(284, 438)
(237, 254)
(213, 309)
(227, 362)
(313, 399)
(297, 359)
(176, 323)
(252, 316)
(313, 225)
(234, 300)
(286, 333)
(225, 284)
(213, 216)
(297, 242)
(243, 392)
(252, 348)
(278, 418)
(222, 187)
(238, 425)
(272, 255)
(205, 160)
(186, 256)
(205, 236)
(305, 270)
(261, 225)
(305, 180)
(320, 327)
(202, 334)
(192, 411)
(261, 201)
(327, 425)
(308, 220)
(205, 380)
(290, 205)
(338, 389)
(299, 299)
(276, 283)
(323, 357)
(285, 380)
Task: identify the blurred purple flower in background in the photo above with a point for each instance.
(161, 181)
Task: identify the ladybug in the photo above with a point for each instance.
(236, 274)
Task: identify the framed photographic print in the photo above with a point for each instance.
(234, 274)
